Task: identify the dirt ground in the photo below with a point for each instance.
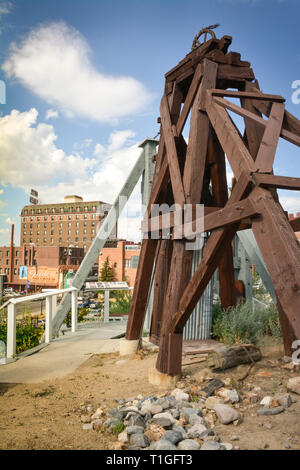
(48, 415)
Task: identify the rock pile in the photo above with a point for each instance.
(184, 418)
(177, 420)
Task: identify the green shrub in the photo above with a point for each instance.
(27, 334)
(243, 324)
(122, 303)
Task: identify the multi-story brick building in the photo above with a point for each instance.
(44, 266)
(71, 223)
(123, 257)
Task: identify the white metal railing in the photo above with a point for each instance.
(51, 298)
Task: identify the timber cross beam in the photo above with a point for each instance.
(207, 89)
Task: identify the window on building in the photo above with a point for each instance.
(76, 239)
(77, 224)
(69, 217)
(17, 252)
(37, 240)
(38, 218)
(77, 217)
(52, 217)
(93, 224)
(37, 232)
(30, 225)
(84, 224)
(93, 231)
(7, 261)
(24, 225)
(45, 218)
(44, 240)
(7, 253)
(30, 233)
(84, 239)
(51, 240)
(31, 219)
(85, 216)
(45, 232)
(60, 232)
(77, 232)
(60, 239)
(23, 240)
(52, 225)
(16, 262)
(38, 225)
(61, 210)
(52, 232)
(30, 240)
(84, 230)
(69, 232)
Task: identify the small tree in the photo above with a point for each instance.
(107, 273)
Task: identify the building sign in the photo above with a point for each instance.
(106, 285)
(23, 272)
(43, 276)
(33, 197)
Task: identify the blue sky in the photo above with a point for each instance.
(84, 81)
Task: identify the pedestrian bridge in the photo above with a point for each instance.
(65, 353)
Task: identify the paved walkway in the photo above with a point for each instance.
(64, 354)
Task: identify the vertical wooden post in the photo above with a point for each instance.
(216, 158)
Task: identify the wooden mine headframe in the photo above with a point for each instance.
(195, 173)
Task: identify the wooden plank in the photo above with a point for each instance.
(174, 354)
(216, 159)
(177, 186)
(274, 181)
(189, 100)
(214, 218)
(285, 134)
(240, 111)
(218, 241)
(291, 125)
(229, 137)
(267, 150)
(167, 221)
(247, 94)
(232, 72)
(141, 289)
(253, 130)
(281, 253)
(162, 271)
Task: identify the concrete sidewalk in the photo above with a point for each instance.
(64, 354)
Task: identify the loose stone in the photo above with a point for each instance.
(226, 414)
(188, 444)
(270, 411)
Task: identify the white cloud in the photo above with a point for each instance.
(53, 61)
(29, 156)
(51, 114)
